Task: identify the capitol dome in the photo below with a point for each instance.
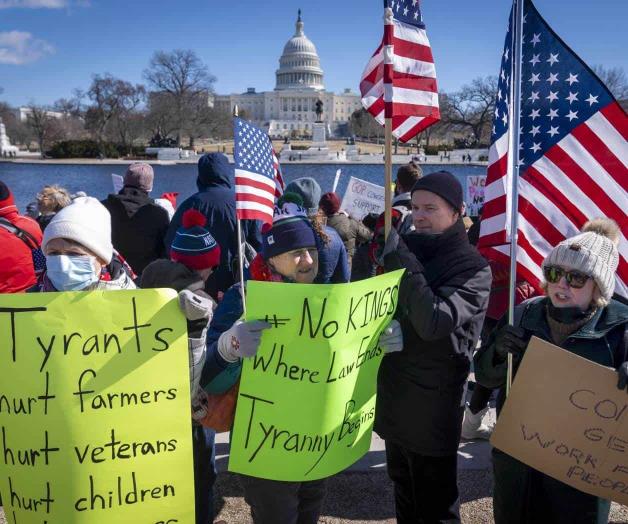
(299, 65)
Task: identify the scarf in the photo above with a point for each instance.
(446, 255)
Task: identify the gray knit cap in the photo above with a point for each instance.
(592, 252)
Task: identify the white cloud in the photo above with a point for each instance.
(19, 47)
(41, 4)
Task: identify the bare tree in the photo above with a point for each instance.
(71, 106)
(182, 75)
(43, 126)
(111, 99)
(472, 108)
(362, 124)
(615, 79)
(161, 119)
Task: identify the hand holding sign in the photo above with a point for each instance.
(622, 376)
(242, 340)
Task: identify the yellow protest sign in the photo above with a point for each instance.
(306, 402)
(95, 408)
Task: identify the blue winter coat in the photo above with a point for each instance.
(216, 200)
(333, 263)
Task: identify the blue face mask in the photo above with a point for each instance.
(70, 272)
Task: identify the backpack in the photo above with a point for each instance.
(39, 260)
(23, 235)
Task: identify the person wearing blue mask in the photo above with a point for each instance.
(79, 253)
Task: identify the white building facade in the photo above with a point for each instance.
(291, 108)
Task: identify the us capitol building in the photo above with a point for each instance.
(290, 108)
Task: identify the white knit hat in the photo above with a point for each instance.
(592, 252)
(85, 221)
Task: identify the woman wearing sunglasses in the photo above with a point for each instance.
(579, 315)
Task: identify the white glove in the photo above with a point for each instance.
(194, 306)
(242, 340)
(391, 339)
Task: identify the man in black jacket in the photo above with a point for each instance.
(138, 224)
(442, 301)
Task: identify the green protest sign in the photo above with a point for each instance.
(95, 422)
(307, 399)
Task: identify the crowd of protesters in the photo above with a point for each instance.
(452, 301)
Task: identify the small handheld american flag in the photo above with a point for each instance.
(257, 173)
(399, 81)
(573, 155)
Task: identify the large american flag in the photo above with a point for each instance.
(573, 153)
(399, 81)
(257, 173)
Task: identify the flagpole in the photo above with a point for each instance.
(388, 178)
(240, 251)
(514, 165)
(388, 101)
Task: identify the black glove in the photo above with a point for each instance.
(510, 339)
(402, 258)
(622, 374)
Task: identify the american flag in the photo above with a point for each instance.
(257, 173)
(573, 154)
(399, 81)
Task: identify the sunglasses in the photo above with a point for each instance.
(574, 279)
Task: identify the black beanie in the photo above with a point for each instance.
(443, 184)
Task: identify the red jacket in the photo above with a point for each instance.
(17, 272)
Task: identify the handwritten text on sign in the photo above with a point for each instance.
(94, 408)
(565, 417)
(475, 194)
(362, 198)
(307, 400)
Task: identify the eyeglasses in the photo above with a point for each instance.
(574, 279)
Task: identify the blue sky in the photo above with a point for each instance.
(49, 47)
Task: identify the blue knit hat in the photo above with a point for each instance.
(193, 246)
(291, 228)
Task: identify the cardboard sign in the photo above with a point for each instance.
(307, 399)
(95, 408)
(566, 418)
(362, 198)
(475, 194)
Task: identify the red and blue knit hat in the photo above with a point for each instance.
(194, 246)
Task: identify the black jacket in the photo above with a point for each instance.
(442, 302)
(216, 200)
(138, 227)
(599, 340)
